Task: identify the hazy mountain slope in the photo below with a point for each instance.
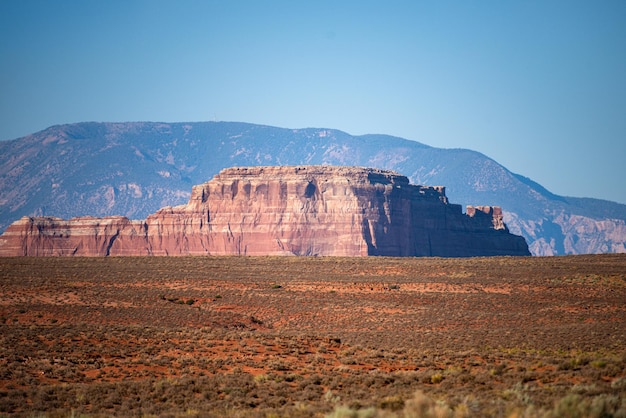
(133, 169)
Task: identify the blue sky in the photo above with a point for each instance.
(539, 86)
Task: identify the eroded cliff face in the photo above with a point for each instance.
(86, 236)
(560, 233)
(307, 210)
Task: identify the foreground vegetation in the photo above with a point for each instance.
(307, 337)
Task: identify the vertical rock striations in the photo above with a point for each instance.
(307, 210)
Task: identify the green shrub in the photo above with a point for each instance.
(436, 378)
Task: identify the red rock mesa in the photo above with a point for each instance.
(303, 210)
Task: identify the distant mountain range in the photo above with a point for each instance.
(135, 168)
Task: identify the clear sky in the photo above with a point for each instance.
(539, 86)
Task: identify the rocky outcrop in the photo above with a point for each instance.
(561, 233)
(86, 236)
(305, 210)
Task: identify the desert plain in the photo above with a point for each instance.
(313, 336)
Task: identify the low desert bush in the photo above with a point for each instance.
(347, 412)
(419, 406)
(422, 406)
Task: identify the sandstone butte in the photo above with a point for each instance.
(298, 210)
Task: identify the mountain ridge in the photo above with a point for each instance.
(134, 168)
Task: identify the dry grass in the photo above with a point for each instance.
(303, 337)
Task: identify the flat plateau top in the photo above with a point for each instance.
(307, 170)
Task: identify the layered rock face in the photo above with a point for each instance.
(306, 210)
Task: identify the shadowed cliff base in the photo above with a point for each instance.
(298, 210)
